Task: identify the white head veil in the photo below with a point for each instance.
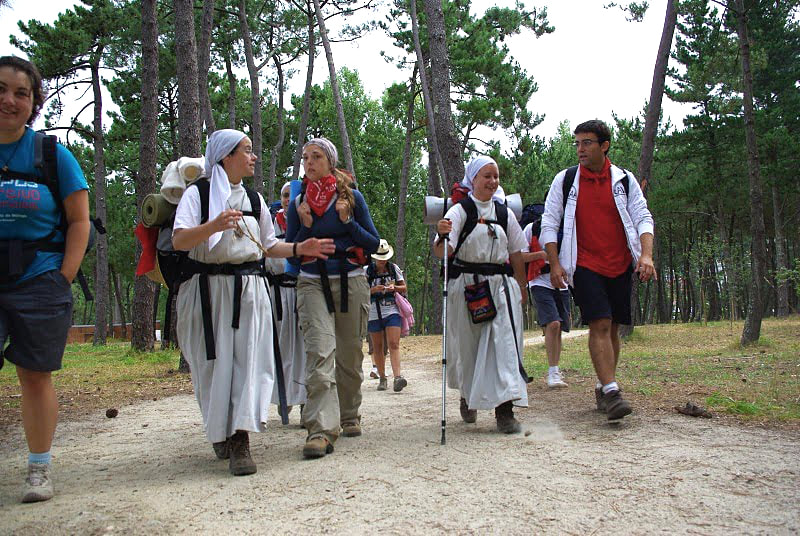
(220, 145)
(472, 169)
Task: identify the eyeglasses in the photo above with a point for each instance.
(584, 143)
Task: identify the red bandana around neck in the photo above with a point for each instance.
(319, 193)
(604, 173)
(280, 217)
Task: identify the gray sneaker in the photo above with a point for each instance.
(38, 486)
(399, 383)
(382, 384)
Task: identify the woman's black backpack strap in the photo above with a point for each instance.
(468, 204)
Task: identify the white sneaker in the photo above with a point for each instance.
(554, 381)
(374, 373)
(38, 486)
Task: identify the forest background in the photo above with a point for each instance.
(719, 183)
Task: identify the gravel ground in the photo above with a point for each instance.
(150, 471)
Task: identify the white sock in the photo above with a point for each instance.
(610, 387)
(552, 370)
(598, 385)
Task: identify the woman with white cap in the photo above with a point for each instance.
(332, 296)
(225, 323)
(385, 279)
(484, 304)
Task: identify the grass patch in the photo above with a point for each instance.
(99, 377)
(670, 364)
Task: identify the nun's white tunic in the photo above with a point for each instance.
(482, 359)
(235, 389)
(290, 340)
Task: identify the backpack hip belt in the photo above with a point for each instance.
(479, 268)
(204, 270)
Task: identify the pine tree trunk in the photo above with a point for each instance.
(446, 137)
(255, 99)
(645, 170)
(142, 330)
(755, 304)
(337, 96)
(101, 288)
(231, 93)
(434, 155)
(273, 159)
(203, 61)
(186, 60)
(781, 261)
(301, 127)
(402, 194)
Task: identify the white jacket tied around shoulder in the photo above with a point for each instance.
(472, 169)
(220, 145)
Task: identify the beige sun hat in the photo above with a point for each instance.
(385, 251)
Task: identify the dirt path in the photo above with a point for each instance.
(150, 471)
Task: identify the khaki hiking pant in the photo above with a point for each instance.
(333, 353)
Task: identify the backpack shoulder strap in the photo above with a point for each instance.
(566, 186)
(371, 272)
(501, 211)
(472, 220)
(255, 202)
(203, 188)
(45, 159)
(626, 181)
(395, 270)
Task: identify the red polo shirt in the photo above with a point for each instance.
(602, 244)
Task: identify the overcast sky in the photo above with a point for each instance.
(595, 62)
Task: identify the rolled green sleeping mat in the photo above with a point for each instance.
(156, 210)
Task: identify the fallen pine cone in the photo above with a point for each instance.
(693, 410)
(111, 413)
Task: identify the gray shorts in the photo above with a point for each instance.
(35, 316)
(552, 306)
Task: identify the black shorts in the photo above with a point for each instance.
(35, 316)
(599, 296)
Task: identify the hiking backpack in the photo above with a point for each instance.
(45, 159)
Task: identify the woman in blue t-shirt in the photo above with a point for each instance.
(332, 296)
(42, 242)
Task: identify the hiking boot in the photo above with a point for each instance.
(240, 463)
(506, 423)
(374, 373)
(616, 406)
(38, 486)
(351, 429)
(555, 381)
(222, 449)
(317, 447)
(399, 383)
(598, 398)
(382, 384)
(468, 415)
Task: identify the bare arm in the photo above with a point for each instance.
(519, 274)
(186, 239)
(76, 210)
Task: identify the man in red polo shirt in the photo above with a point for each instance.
(607, 236)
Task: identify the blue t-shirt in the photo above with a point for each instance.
(27, 208)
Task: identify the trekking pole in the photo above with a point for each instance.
(444, 336)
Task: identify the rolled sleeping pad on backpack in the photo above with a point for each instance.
(156, 210)
(433, 208)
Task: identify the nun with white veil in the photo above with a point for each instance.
(233, 367)
(484, 353)
(283, 280)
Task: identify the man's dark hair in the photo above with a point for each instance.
(19, 64)
(597, 127)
